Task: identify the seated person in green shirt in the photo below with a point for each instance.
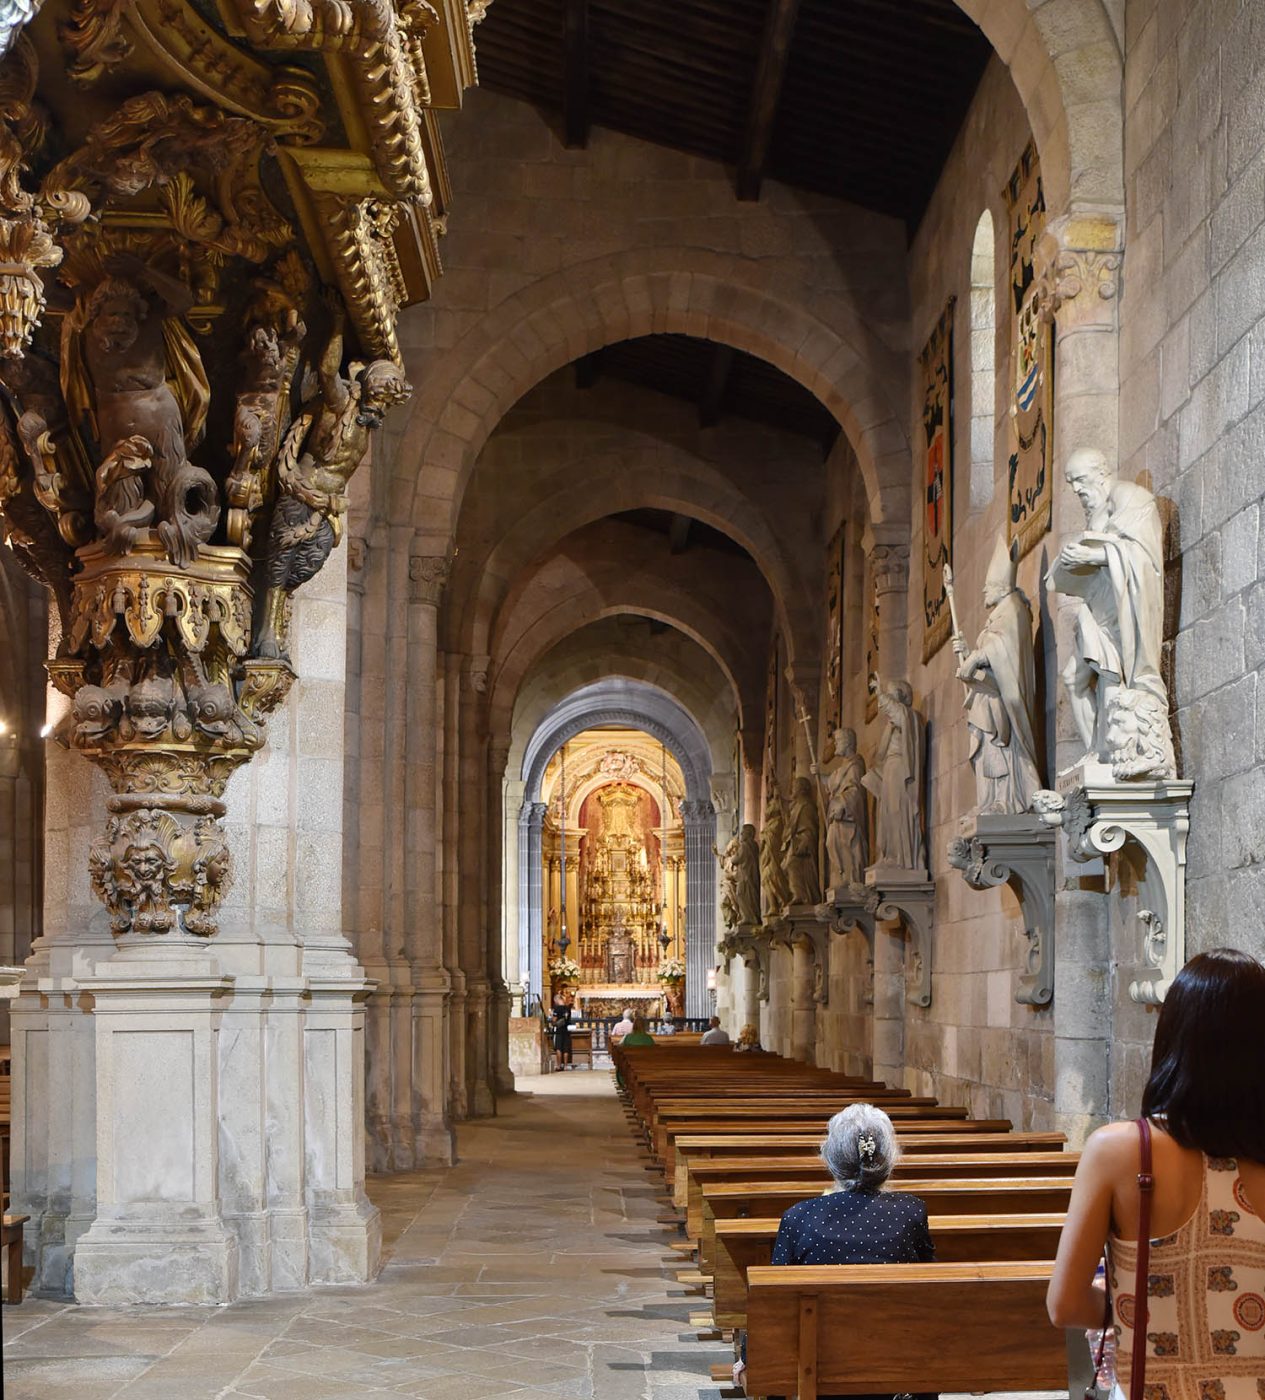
(638, 1036)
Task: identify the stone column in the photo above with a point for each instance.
(471, 871)
(494, 924)
(1078, 260)
(803, 1006)
(53, 1156)
(531, 823)
(700, 903)
(435, 1142)
(513, 921)
(887, 551)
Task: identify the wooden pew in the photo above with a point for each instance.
(927, 1166)
(707, 1148)
(988, 1196)
(907, 1129)
(891, 1328)
(742, 1245)
(10, 1224)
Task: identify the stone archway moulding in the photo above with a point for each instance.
(1065, 61)
(685, 290)
(633, 705)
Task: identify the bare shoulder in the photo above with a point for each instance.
(1111, 1147)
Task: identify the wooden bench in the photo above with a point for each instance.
(907, 1129)
(742, 1245)
(718, 1148)
(892, 1328)
(988, 1196)
(926, 1166)
(10, 1224)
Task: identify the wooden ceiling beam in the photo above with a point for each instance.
(775, 51)
(709, 405)
(576, 106)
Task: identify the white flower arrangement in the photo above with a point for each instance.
(564, 970)
(671, 970)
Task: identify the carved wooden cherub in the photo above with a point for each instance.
(322, 450)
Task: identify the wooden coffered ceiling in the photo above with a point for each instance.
(860, 99)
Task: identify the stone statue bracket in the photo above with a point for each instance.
(1016, 849)
(1098, 816)
(890, 894)
(754, 947)
(809, 925)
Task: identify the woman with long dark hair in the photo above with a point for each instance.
(1204, 1106)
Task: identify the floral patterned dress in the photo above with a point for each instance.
(1206, 1298)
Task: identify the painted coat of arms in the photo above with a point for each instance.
(937, 528)
(1031, 454)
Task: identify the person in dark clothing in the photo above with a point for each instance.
(561, 1009)
(857, 1222)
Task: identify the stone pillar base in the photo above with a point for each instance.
(436, 1141)
(346, 1244)
(124, 1261)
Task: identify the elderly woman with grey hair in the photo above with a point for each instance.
(857, 1222)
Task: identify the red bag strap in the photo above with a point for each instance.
(1146, 1186)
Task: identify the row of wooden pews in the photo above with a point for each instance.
(735, 1138)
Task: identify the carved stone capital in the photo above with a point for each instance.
(1017, 850)
(1078, 263)
(695, 811)
(1098, 816)
(428, 573)
(887, 550)
(532, 815)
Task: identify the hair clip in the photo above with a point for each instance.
(866, 1146)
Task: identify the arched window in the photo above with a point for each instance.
(983, 360)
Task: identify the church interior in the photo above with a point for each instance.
(746, 513)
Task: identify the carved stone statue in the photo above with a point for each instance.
(897, 780)
(775, 893)
(800, 858)
(321, 452)
(847, 816)
(740, 879)
(123, 348)
(1116, 569)
(619, 953)
(1001, 702)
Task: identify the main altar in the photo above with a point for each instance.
(614, 858)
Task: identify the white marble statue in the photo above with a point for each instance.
(800, 859)
(847, 815)
(1116, 569)
(897, 781)
(1001, 701)
(775, 893)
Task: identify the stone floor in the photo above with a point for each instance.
(533, 1268)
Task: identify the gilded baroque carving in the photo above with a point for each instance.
(176, 446)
